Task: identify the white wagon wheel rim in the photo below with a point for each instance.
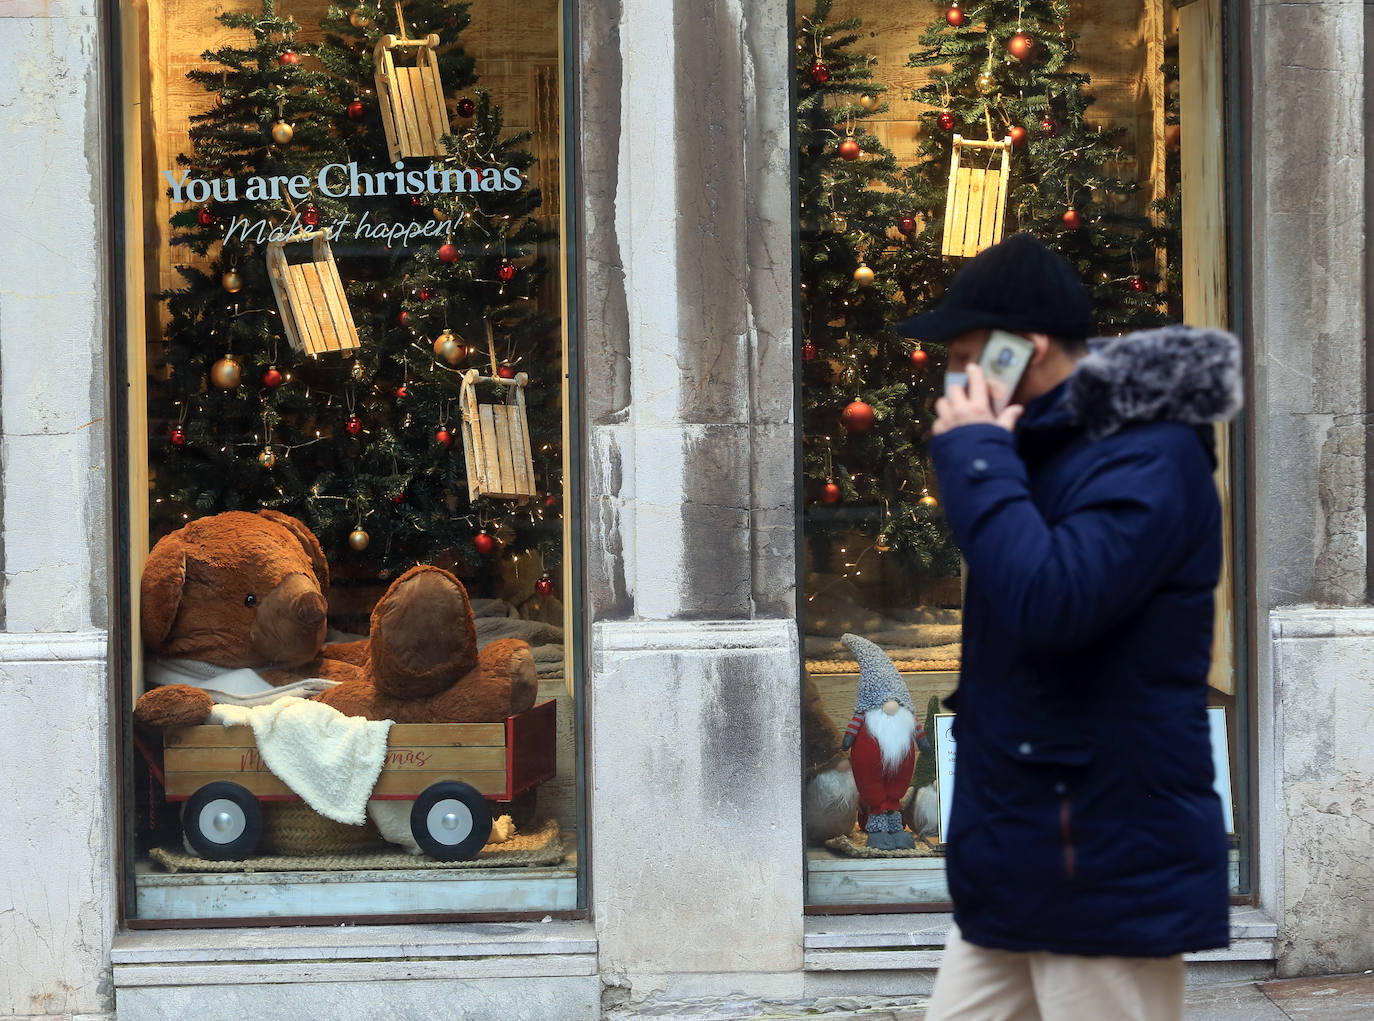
(222, 821)
(449, 821)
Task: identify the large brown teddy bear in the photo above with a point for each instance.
(248, 590)
(237, 590)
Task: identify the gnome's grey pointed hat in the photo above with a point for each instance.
(878, 676)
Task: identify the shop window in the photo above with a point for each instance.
(346, 354)
(1068, 118)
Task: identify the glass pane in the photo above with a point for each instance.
(344, 248)
(1066, 121)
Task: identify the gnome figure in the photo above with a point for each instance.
(882, 739)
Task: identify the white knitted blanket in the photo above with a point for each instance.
(331, 760)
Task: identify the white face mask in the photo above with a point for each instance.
(956, 379)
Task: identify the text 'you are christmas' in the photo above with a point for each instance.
(341, 180)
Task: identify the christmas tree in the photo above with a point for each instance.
(437, 256)
(867, 394)
(445, 305)
(232, 425)
(1006, 69)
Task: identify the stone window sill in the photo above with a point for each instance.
(905, 942)
(191, 957)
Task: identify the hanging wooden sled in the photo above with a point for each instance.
(411, 98)
(310, 296)
(496, 437)
(977, 201)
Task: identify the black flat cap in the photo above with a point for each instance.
(1019, 286)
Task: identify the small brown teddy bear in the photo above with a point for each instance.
(424, 666)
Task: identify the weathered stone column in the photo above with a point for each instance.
(687, 297)
(57, 903)
(1308, 263)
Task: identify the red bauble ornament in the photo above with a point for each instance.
(289, 59)
(484, 543)
(544, 586)
(272, 378)
(310, 216)
(808, 351)
(204, 217)
(403, 317)
(448, 252)
(907, 225)
(954, 16)
(1021, 45)
(398, 498)
(831, 493)
(550, 500)
(177, 436)
(1071, 219)
(425, 294)
(820, 74)
(1018, 134)
(857, 417)
(505, 371)
(466, 107)
(945, 120)
(849, 150)
(356, 111)
(506, 271)
(353, 425)
(402, 393)
(920, 358)
(1048, 126)
(444, 438)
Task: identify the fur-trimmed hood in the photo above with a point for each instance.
(1176, 374)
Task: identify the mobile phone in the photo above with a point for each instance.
(1004, 360)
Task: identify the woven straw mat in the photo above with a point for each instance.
(855, 845)
(543, 846)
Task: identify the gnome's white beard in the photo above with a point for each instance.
(894, 734)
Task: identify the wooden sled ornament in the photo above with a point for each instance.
(411, 98)
(976, 205)
(310, 296)
(496, 437)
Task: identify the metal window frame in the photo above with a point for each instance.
(1237, 116)
(119, 458)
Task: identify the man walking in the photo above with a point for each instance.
(1086, 849)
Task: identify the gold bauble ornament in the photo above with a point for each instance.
(882, 544)
(359, 19)
(863, 276)
(282, 132)
(986, 82)
(927, 501)
(231, 281)
(868, 102)
(226, 373)
(358, 540)
(446, 346)
(267, 459)
(358, 371)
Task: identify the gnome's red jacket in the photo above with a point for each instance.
(879, 791)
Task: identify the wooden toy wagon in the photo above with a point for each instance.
(451, 771)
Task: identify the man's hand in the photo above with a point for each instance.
(972, 407)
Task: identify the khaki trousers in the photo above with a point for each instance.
(977, 984)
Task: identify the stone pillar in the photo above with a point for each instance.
(686, 297)
(1308, 265)
(56, 905)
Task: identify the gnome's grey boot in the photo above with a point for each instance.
(885, 832)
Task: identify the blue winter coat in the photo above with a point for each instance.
(1084, 819)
